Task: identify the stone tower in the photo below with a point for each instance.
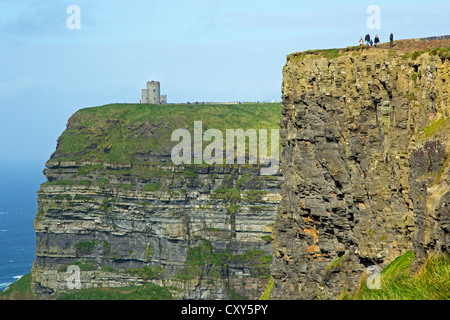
(152, 94)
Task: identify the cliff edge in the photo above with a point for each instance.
(119, 211)
(365, 179)
(365, 156)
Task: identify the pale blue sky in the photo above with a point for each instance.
(200, 50)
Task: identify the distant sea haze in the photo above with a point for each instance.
(18, 204)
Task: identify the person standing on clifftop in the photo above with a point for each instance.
(377, 40)
(391, 40)
(361, 41)
(367, 38)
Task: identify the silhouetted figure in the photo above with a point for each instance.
(367, 38)
(391, 40)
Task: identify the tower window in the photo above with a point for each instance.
(154, 90)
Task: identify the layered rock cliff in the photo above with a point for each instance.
(365, 156)
(116, 206)
(365, 178)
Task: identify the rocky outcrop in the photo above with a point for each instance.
(430, 193)
(365, 178)
(366, 164)
(202, 230)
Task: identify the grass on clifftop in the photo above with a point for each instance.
(431, 282)
(116, 133)
(406, 48)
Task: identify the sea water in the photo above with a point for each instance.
(18, 204)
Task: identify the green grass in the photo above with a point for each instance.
(443, 53)
(204, 260)
(148, 291)
(267, 290)
(125, 186)
(103, 182)
(431, 282)
(325, 53)
(435, 126)
(442, 169)
(330, 53)
(416, 54)
(85, 246)
(116, 133)
(147, 272)
(19, 290)
(88, 168)
(154, 186)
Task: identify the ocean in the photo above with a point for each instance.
(18, 204)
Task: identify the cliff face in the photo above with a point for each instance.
(203, 230)
(365, 138)
(365, 178)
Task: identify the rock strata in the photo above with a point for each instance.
(365, 156)
(202, 230)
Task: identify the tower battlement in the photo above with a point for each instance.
(152, 94)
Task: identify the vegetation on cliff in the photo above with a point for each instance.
(126, 133)
(366, 136)
(116, 206)
(397, 282)
(148, 291)
(366, 140)
(408, 49)
(431, 282)
(19, 290)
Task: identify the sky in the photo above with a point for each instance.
(55, 59)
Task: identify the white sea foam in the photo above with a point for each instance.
(4, 285)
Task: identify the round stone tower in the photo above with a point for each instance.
(154, 96)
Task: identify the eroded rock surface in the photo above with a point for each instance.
(365, 136)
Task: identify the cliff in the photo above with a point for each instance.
(364, 180)
(365, 157)
(116, 206)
